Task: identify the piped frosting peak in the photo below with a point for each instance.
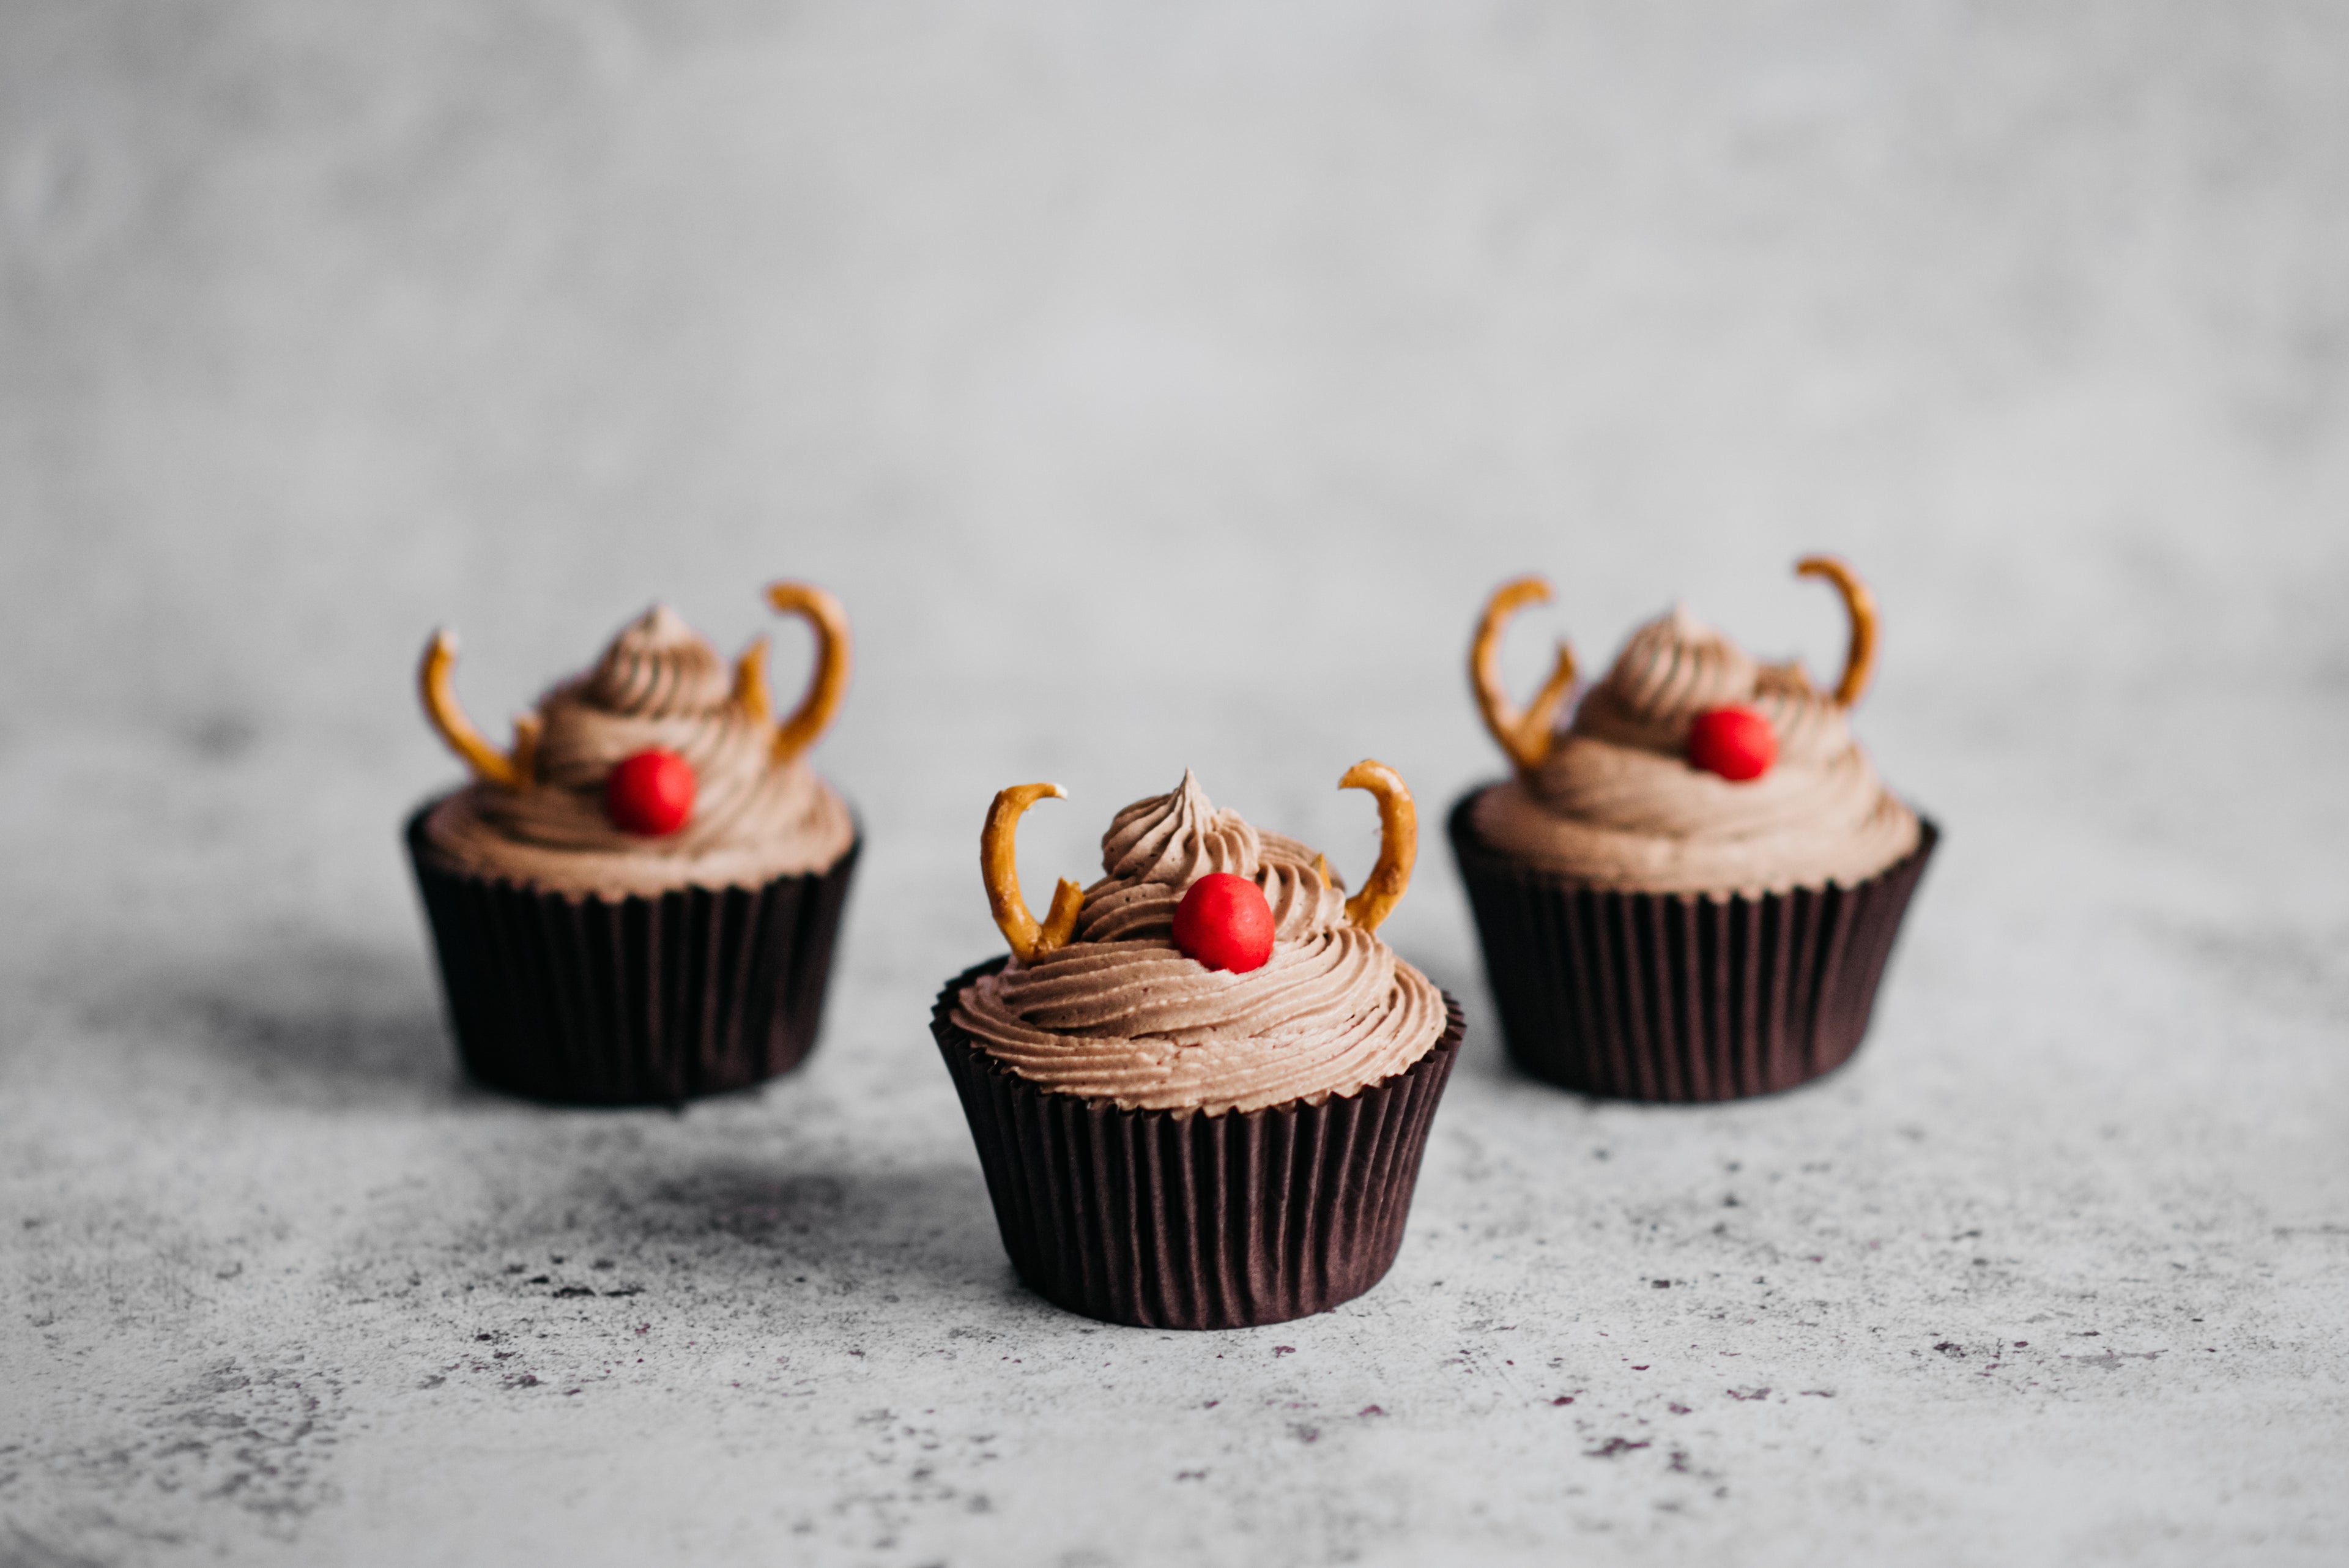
(656, 667)
(1613, 800)
(1118, 1012)
(539, 814)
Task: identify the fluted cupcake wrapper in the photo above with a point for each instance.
(1674, 996)
(1167, 1220)
(633, 1000)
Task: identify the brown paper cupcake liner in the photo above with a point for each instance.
(1680, 997)
(1162, 1221)
(633, 1000)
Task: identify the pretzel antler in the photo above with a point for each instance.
(1860, 657)
(830, 679)
(512, 769)
(1525, 736)
(999, 868)
(1383, 889)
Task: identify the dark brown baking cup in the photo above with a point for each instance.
(1164, 1221)
(634, 1001)
(1679, 996)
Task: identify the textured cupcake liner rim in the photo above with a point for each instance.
(644, 998)
(1162, 1219)
(1680, 997)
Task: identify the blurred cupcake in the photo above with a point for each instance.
(1201, 1088)
(636, 902)
(1690, 891)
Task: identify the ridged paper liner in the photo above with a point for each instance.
(1165, 1220)
(633, 1000)
(1678, 996)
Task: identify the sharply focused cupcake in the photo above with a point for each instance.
(636, 902)
(1690, 891)
(1201, 1088)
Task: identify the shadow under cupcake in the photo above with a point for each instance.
(1690, 891)
(636, 903)
(1202, 1087)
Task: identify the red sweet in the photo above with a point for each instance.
(1223, 922)
(650, 792)
(1735, 741)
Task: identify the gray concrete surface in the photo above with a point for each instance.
(1158, 389)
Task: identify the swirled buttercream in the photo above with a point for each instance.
(1618, 805)
(1120, 1013)
(660, 684)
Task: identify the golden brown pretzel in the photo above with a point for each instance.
(1524, 736)
(999, 868)
(1859, 655)
(512, 769)
(799, 731)
(1383, 889)
(750, 681)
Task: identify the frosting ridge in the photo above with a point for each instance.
(659, 683)
(1121, 1013)
(1616, 805)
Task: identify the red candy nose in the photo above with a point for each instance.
(1223, 922)
(650, 792)
(1735, 741)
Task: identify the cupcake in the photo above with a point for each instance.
(636, 902)
(1201, 1088)
(1690, 891)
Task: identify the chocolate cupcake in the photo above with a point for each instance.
(636, 903)
(1690, 891)
(1201, 1088)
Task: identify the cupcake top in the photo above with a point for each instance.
(1105, 1000)
(1693, 767)
(659, 767)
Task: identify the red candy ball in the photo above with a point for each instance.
(650, 792)
(1735, 741)
(1223, 922)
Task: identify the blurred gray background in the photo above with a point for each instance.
(1159, 387)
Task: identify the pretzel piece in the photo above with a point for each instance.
(830, 621)
(512, 769)
(1383, 889)
(750, 682)
(1524, 736)
(999, 868)
(1859, 605)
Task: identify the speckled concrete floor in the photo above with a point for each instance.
(1165, 392)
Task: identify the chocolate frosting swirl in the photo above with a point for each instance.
(1120, 1013)
(1616, 805)
(660, 683)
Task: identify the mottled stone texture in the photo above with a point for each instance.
(1164, 386)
